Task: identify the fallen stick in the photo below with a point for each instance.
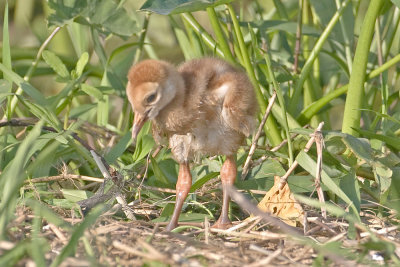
(310, 142)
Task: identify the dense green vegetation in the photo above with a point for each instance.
(62, 92)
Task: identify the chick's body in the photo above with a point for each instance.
(205, 106)
(211, 110)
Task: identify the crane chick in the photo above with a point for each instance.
(204, 107)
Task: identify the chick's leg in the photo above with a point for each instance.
(228, 176)
(182, 189)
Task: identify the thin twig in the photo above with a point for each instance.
(63, 177)
(243, 223)
(246, 166)
(24, 123)
(274, 149)
(310, 142)
(252, 209)
(266, 261)
(319, 142)
(206, 229)
(298, 37)
(130, 250)
(256, 235)
(118, 195)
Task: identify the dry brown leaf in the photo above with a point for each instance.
(282, 204)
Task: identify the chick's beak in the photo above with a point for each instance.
(138, 122)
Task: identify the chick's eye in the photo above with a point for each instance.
(151, 98)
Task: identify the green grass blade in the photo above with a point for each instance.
(271, 129)
(216, 24)
(315, 107)
(38, 244)
(281, 100)
(6, 58)
(310, 166)
(199, 183)
(308, 66)
(11, 257)
(45, 212)
(209, 41)
(77, 233)
(13, 176)
(55, 63)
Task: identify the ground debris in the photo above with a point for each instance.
(115, 242)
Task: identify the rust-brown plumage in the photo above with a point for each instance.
(205, 106)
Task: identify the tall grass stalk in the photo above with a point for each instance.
(355, 94)
(271, 128)
(313, 55)
(315, 107)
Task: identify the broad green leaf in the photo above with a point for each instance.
(184, 43)
(379, 114)
(105, 16)
(43, 113)
(389, 140)
(360, 147)
(325, 10)
(118, 149)
(61, 203)
(381, 245)
(55, 63)
(28, 88)
(394, 191)
(65, 11)
(5, 87)
(396, 2)
(81, 64)
(383, 176)
(92, 91)
(350, 187)
(166, 7)
(45, 156)
(200, 182)
(76, 195)
(333, 209)
(145, 146)
(83, 111)
(36, 95)
(162, 180)
(170, 169)
(310, 166)
(297, 184)
(269, 168)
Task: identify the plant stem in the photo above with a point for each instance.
(202, 32)
(271, 129)
(139, 50)
(219, 34)
(312, 109)
(281, 100)
(27, 77)
(313, 55)
(355, 94)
